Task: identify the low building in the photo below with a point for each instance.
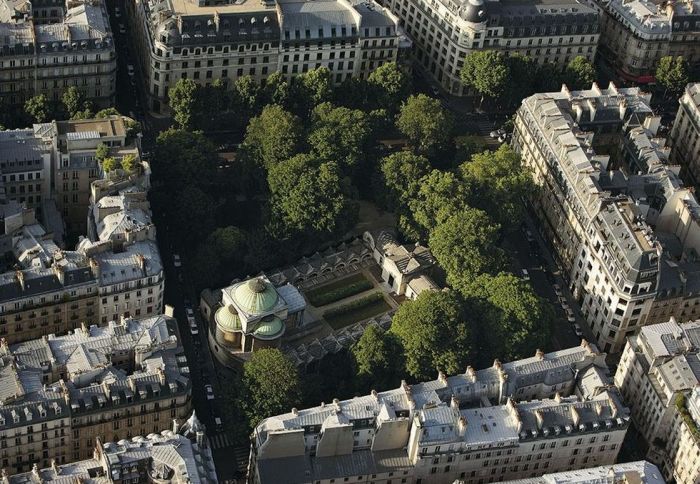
(640, 472)
(179, 455)
(620, 221)
(60, 393)
(57, 46)
(636, 34)
(405, 268)
(194, 39)
(253, 314)
(445, 32)
(658, 376)
(685, 135)
(550, 413)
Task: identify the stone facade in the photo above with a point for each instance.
(685, 135)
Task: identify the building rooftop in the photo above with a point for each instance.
(640, 472)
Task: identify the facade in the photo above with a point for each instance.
(25, 168)
(685, 135)
(640, 472)
(194, 39)
(623, 227)
(549, 413)
(180, 455)
(658, 376)
(636, 34)
(405, 268)
(445, 32)
(254, 314)
(55, 46)
(61, 393)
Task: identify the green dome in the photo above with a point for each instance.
(256, 296)
(269, 328)
(227, 319)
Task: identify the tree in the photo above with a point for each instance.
(425, 123)
(434, 334)
(672, 74)
(185, 158)
(514, 320)
(276, 90)
(75, 103)
(311, 89)
(270, 385)
(465, 246)
(441, 194)
(579, 73)
(220, 256)
(38, 108)
(107, 112)
(273, 136)
(402, 173)
(246, 92)
(195, 209)
(378, 361)
(101, 152)
(306, 195)
(340, 135)
(522, 72)
(498, 182)
(110, 164)
(549, 78)
(486, 72)
(128, 163)
(389, 85)
(182, 99)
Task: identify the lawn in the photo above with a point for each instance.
(357, 311)
(337, 290)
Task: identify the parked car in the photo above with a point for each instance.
(189, 312)
(218, 424)
(122, 29)
(130, 69)
(176, 260)
(526, 275)
(194, 331)
(117, 12)
(570, 317)
(577, 330)
(529, 236)
(210, 392)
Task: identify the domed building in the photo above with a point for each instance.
(253, 314)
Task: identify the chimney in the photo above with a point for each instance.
(161, 376)
(539, 354)
(497, 364)
(442, 378)
(295, 411)
(623, 108)
(336, 402)
(471, 374)
(598, 409)
(106, 388)
(132, 384)
(5, 476)
(200, 439)
(575, 417)
(540, 419)
(55, 468)
(462, 426)
(20, 278)
(454, 403)
(84, 328)
(60, 273)
(142, 263)
(35, 471)
(652, 123)
(557, 397)
(4, 347)
(95, 268)
(375, 395)
(169, 311)
(176, 427)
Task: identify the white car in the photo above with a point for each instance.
(189, 312)
(210, 392)
(526, 275)
(497, 133)
(176, 260)
(130, 69)
(122, 29)
(577, 330)
(117, 12)
(194, 331)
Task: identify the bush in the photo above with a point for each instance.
(351, 306)
(321, 297)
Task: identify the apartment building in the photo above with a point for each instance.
(639, 472)
(445, 32)
(73, 145)
(58, 45)
(178, 455)
(200, 40)
(549, 413)
(61, 393)
(658, 376)
(685, 135)
(25, 168)
(621, 223)
(636, 34)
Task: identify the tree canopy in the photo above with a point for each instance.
(340, 135)
(425, 123)
(104, 113)
(182, 99)
(273, 136)
(76, 105)
(486, 72)
(672, 74)
(440, 194)
(378, 359)
(307, 195)
(38, 108)
(465, 247)
(216, 257)
(270, 385)
(185, 157)
(389, 86)
(579, 73)
(401, 174)
(434, 333)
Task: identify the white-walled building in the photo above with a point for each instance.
(640, 472)
(623, 227)
(659, 378)
(685, 134)
(549, 413)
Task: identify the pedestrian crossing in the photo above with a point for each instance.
(220, 441)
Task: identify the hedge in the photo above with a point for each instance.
(351, 306)
(320, 297)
